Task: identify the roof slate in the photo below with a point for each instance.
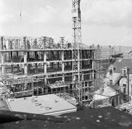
(121, 63)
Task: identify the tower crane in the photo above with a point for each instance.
(76, 52)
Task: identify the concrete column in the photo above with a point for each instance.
(79, 64)
(25, 63)
(82, 76)
(62, 58)
(1, 42)
(44, 41)
(62, 42)
(11, 65)
(17, 64)
(45, 67)
(36, 58)
(25, 57)
(45, 63)
(2, 56)
(93, 67)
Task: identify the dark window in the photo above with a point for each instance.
(124, 88)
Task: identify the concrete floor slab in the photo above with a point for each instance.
(46, 104)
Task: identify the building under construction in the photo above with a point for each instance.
(36, 66)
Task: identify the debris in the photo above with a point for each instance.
(100, 116)
(77, 118)
(125, 121)
(98, 121)
(17, 122)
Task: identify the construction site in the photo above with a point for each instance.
(38, 66)
(48, 84)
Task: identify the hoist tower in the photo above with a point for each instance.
(76, 53)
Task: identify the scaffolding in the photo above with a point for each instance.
(102, 61)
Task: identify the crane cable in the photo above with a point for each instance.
(20, 10)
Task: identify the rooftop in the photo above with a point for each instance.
(100, 118)
(106, 91)
(47, 104)
(121, 63)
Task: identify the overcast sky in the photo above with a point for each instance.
(104, 22)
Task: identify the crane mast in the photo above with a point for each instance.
(76, 52)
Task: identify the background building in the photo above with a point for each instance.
(119, 76)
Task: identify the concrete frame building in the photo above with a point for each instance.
(31, 66)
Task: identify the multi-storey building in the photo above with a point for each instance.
(39, 66)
